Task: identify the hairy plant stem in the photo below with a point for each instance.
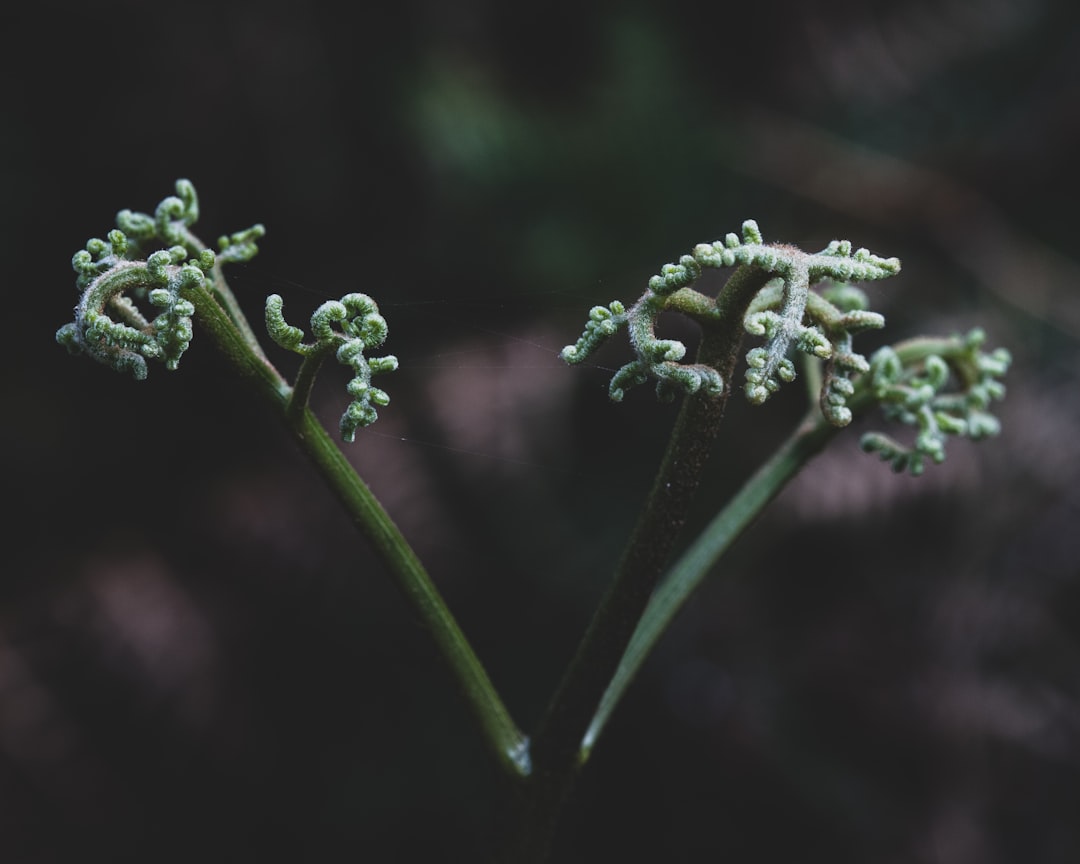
(694, 565)
(219, 289)
(557, 750)
(506, 744)
(305, 381)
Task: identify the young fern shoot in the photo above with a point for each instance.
(145, 285)
(796, 301)
(941, 387)
(362, 328)
(820, 323)
(117, 274)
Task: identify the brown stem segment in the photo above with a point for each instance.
(557, 746)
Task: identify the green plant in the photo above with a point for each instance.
(151, 278)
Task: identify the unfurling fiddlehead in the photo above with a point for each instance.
(362, 328)
(786, 312)
(808, 304)
(942, 387)
(114, 275)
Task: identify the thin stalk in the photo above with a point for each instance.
(220, 291)
(507, 745)
(305, 381)
(696, 562)
(805, 442)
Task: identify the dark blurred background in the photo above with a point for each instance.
(199, 658)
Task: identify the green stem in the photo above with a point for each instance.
(696, 562)
(305, 380)
(221, 292)
(508, 746)
(227, 299)
(808, 439)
